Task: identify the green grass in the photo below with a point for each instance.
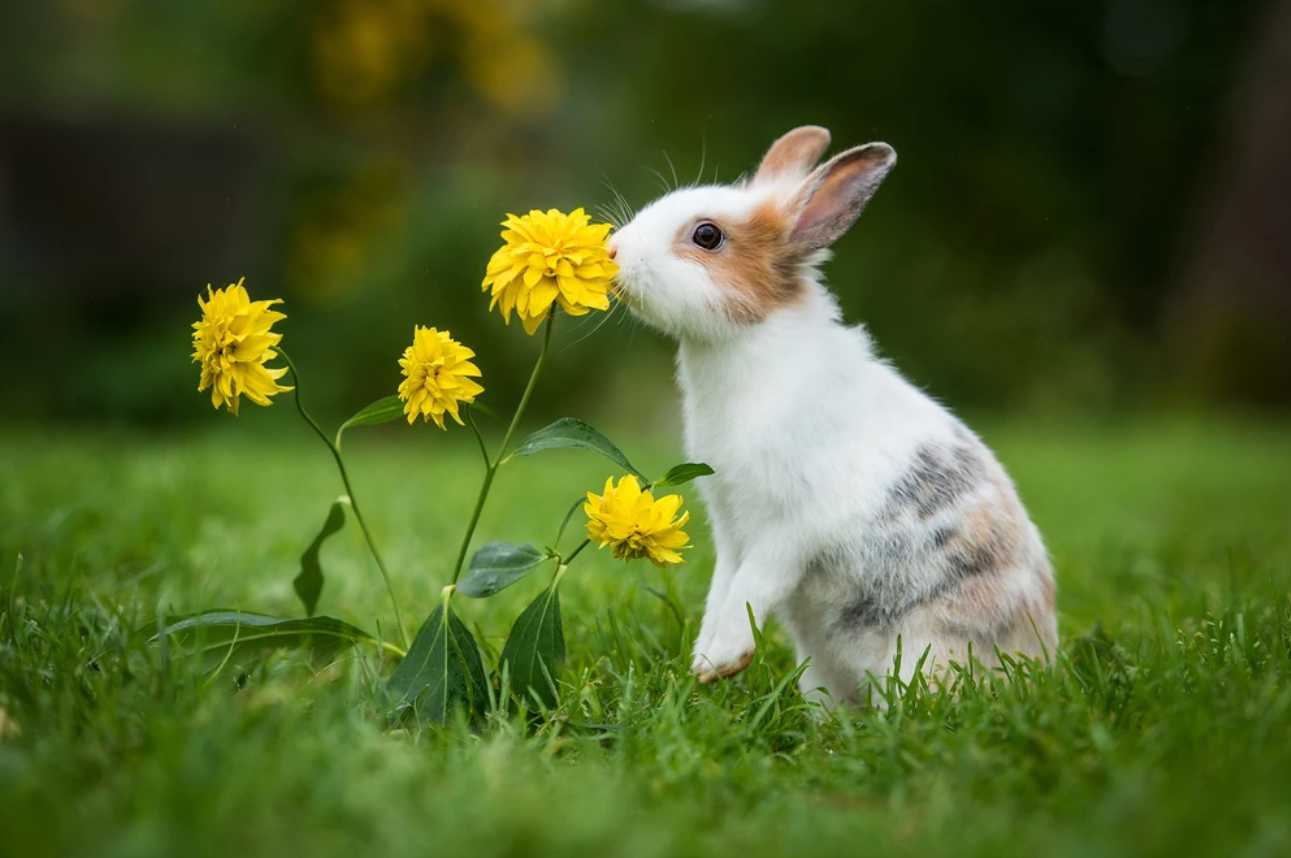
(1165, 727)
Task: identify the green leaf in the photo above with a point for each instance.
(308, 583)
(681, 474)
(568, 432)
(218, 630)
(384, 410)
(442, 669)
(497, 566)
(535, 648)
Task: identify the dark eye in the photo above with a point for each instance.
(707, 236)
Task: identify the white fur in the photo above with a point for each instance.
(676, 295)
(807, 431)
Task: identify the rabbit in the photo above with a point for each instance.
(846, 502)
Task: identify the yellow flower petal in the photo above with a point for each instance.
(633, 524)
(549, 258)
(232, 342)
(437, 377)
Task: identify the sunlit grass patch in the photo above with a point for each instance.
(1162, 728)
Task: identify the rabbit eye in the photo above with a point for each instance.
(707, 235)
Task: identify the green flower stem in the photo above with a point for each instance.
(570, 559)
(479, 439)
(565, 523)
(349, 490)
(528, 390)
(492, 467)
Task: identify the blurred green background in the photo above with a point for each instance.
(1089, 215)
(1086, 243)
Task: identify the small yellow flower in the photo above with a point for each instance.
(233, 341)
(636, 525)
(550, 258)
(437, 372)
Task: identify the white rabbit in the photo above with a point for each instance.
(846, 502)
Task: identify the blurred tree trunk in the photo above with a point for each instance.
(1231, 331)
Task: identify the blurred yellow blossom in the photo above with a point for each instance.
(344, 224)
(634, 524)
(233, 341)
(550, 258)
(363, 49)
(367, 52)
(509, 67)
(438, 375)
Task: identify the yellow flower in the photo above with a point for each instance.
(635, 524)
(232, 341)
(437, 372)
(550, 258)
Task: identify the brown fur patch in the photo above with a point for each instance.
(983, 600)
(988, 540)
(756, 267)
(988, 551)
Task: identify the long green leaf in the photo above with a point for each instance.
(681, 474)
(384, 410)
(497, 566)
(442, 669)
(535, 649)
(308, 583)
(568, 432)
(218, 630)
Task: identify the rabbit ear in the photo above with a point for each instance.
(831, 198)
(794, 153)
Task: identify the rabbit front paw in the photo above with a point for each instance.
(723, 653)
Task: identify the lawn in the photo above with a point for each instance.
(1164, 729)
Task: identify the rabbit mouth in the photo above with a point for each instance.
(622, 288)
(636, 303)
(621, 294)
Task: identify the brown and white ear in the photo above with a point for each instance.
(795, 153)
(832, 197)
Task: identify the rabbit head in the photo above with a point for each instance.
(702, 263)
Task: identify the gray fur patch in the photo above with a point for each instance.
(937, 480)
(868, 610)
(908, 563)
(862, 613)
(988, 541)
(958, 553)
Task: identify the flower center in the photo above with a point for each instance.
(552, 260)
(432, 376)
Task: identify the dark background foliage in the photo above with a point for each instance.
(1090, 211)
